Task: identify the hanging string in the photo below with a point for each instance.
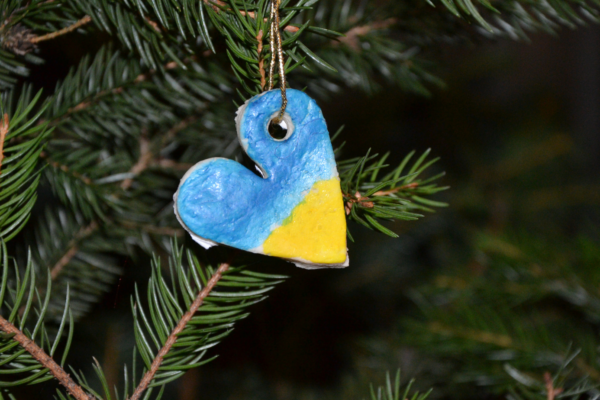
(277, 53)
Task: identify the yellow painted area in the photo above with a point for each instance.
(316, 229)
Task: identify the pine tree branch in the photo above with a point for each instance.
(48, 362)
(146, 158)
(20, 176)
(3, 133)
(216, 4)
(85, 20)
(94, 98)
(519, 15)
(144, 161)
(147, 379)
(370, 198)
(21, 9)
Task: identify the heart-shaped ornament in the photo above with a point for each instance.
(294, 211)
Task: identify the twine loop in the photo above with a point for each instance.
(277, 53)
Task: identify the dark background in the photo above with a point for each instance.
(517, 132)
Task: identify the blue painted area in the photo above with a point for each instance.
(223, 201)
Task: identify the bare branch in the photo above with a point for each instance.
(171, 164)
(351, 37)
(3, 133)
(141, 164)
(396, 190)
(217, 4)
(357, 198)
(83, 178)
(147, 379)
(177, 128)
(40, 355)
(92, 99)
(261, 61)
(157, 230)
(146, 158)
(70, 28)
(551, 391)
(366, 201)
(72, 250)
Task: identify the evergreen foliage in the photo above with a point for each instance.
(514, 18)
(25, 307)
(169, 299)
(395, 391)
(368, 200)
(20, 177)
(506, 336)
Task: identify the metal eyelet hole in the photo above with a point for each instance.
(278, 130)
(281, 130)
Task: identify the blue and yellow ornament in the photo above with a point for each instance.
(294, 211)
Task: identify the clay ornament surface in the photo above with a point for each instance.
(294, 211)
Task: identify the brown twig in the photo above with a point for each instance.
(142, 77)
(141, 164)
(287, 28)
(481, 336)
(85, 20)
(261, 61)
(158, 230)
(357, 199)
(171, 164)
(395, 190)
(3, 133)
(40, 355)
(73, 249)
(64, 168)
(143, 385)
(217, 4)
(94, 98)
(184, 123)
(551, 391)
(351, 37)
(366, 201)
(153, 24)
(146, 155)
(64, 260)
